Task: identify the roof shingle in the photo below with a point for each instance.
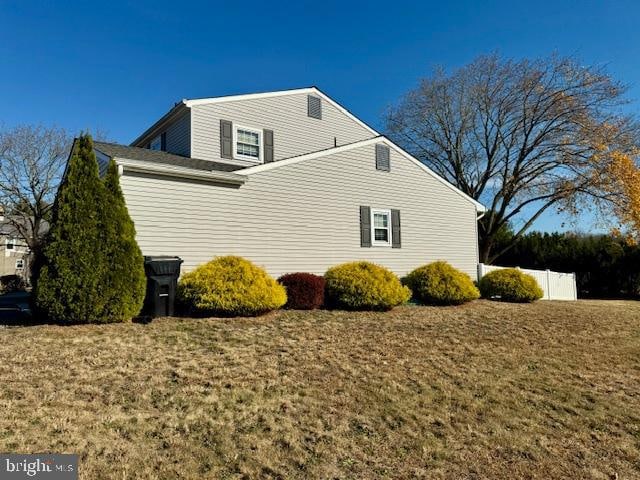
(155, 156)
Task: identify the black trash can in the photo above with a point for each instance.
(162, 281)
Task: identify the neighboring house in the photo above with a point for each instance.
(14, 251)
(292, 181)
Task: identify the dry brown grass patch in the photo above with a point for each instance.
(485, 390)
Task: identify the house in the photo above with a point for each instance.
(15, 254)
(292, 181)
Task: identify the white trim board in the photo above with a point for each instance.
(344, 148)
(253, 96)
(214, 176)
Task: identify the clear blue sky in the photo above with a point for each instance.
(118, 66)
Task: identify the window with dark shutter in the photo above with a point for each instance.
(365, 226)
(382, 158)
(163, 141)
(314, 107)
(226, 139)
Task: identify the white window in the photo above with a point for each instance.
(381, 227)
(19, 264)
(10, 244)
(248, 143)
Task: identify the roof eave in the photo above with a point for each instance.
(177, 109)
(227, 178)
(253, 96)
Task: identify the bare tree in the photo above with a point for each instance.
(519, 136)
(32, 160)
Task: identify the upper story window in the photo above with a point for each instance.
(156, 143)
(381, 223)
(159, 143)
(248, 142)
(10, 243)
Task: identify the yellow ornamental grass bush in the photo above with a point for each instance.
(510, 285)
(440, 284)
(364, 286)
(230, 286)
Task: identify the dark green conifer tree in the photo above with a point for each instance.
(126, 280)
(73, 264)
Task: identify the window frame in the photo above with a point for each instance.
(21, 262)
(155, 139)
(259, 158)
(381, 243)
(10, 244)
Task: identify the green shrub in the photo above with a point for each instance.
(70, 282)
(230, 286)
(90, 269)
(364, 286)
(510, 285)
(440, 284)
(126, 280)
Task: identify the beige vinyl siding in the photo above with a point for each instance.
(294, 132)
(305, 216)
(179, 135)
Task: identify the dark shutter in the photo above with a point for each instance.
(268, 146)
(382, 158)
(314, 107)
(226, 139)
(395, 229)
(163, 141)
(365, 226)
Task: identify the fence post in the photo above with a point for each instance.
(548, 284)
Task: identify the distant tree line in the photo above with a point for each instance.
(606, 266)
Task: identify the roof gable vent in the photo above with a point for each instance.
(382, 158)
(314, 107)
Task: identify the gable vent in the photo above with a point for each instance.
(382, 158)
(314, 107)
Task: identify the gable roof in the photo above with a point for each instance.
(345, 148)
(252, 96)
(115, 150)
(188, 103)
(8, 226)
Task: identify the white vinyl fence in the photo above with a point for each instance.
(556, 285)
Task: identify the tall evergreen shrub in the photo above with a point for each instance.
(70, 283)
(91, 269)
(126, 280)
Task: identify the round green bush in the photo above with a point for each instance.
(230, 286)
(510, 285)
(364, 286)
(440, 284)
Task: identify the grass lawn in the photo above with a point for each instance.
(486, 390)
